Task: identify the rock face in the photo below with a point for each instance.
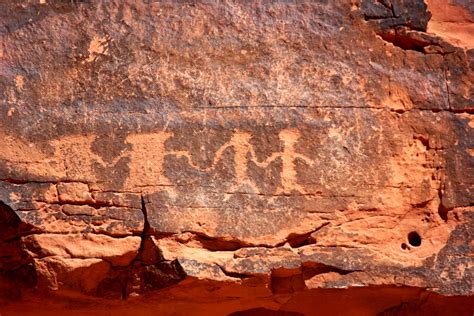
(257, 158)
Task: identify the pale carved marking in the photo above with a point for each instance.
(147, 159)
(76, 156)
(240, 142)
(97, 47)
(289, 176)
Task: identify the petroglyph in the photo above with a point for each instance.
(74, 159)
(288, 156)
(98, 46)
(240, 143)
(147, 161)
(243, 152)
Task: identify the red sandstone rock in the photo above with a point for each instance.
(236, 159)
(453, 20)
(74, 192)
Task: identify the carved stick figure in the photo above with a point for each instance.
(289, 179)
(240, 142)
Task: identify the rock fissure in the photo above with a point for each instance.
(297, 240)
(313, 269)
(448, 97)
(221, 243)
(234, 275)
(403, 30)
(146, 227)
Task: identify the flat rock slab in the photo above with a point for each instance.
(244, 156)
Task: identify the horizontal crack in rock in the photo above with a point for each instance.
(234, 275)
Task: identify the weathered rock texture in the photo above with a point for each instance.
(254, 158)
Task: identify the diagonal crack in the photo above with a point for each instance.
(447, 87)
(146, 227)
(234, 275)
(299, 240)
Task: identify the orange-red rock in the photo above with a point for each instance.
(257, 158)
(74, 192)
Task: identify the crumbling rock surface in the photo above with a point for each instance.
(257, 158)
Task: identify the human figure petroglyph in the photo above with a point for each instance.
(240, 142)
(288, 156)
(146, 161)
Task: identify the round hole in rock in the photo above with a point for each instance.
(414, 239)
(405, 247)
